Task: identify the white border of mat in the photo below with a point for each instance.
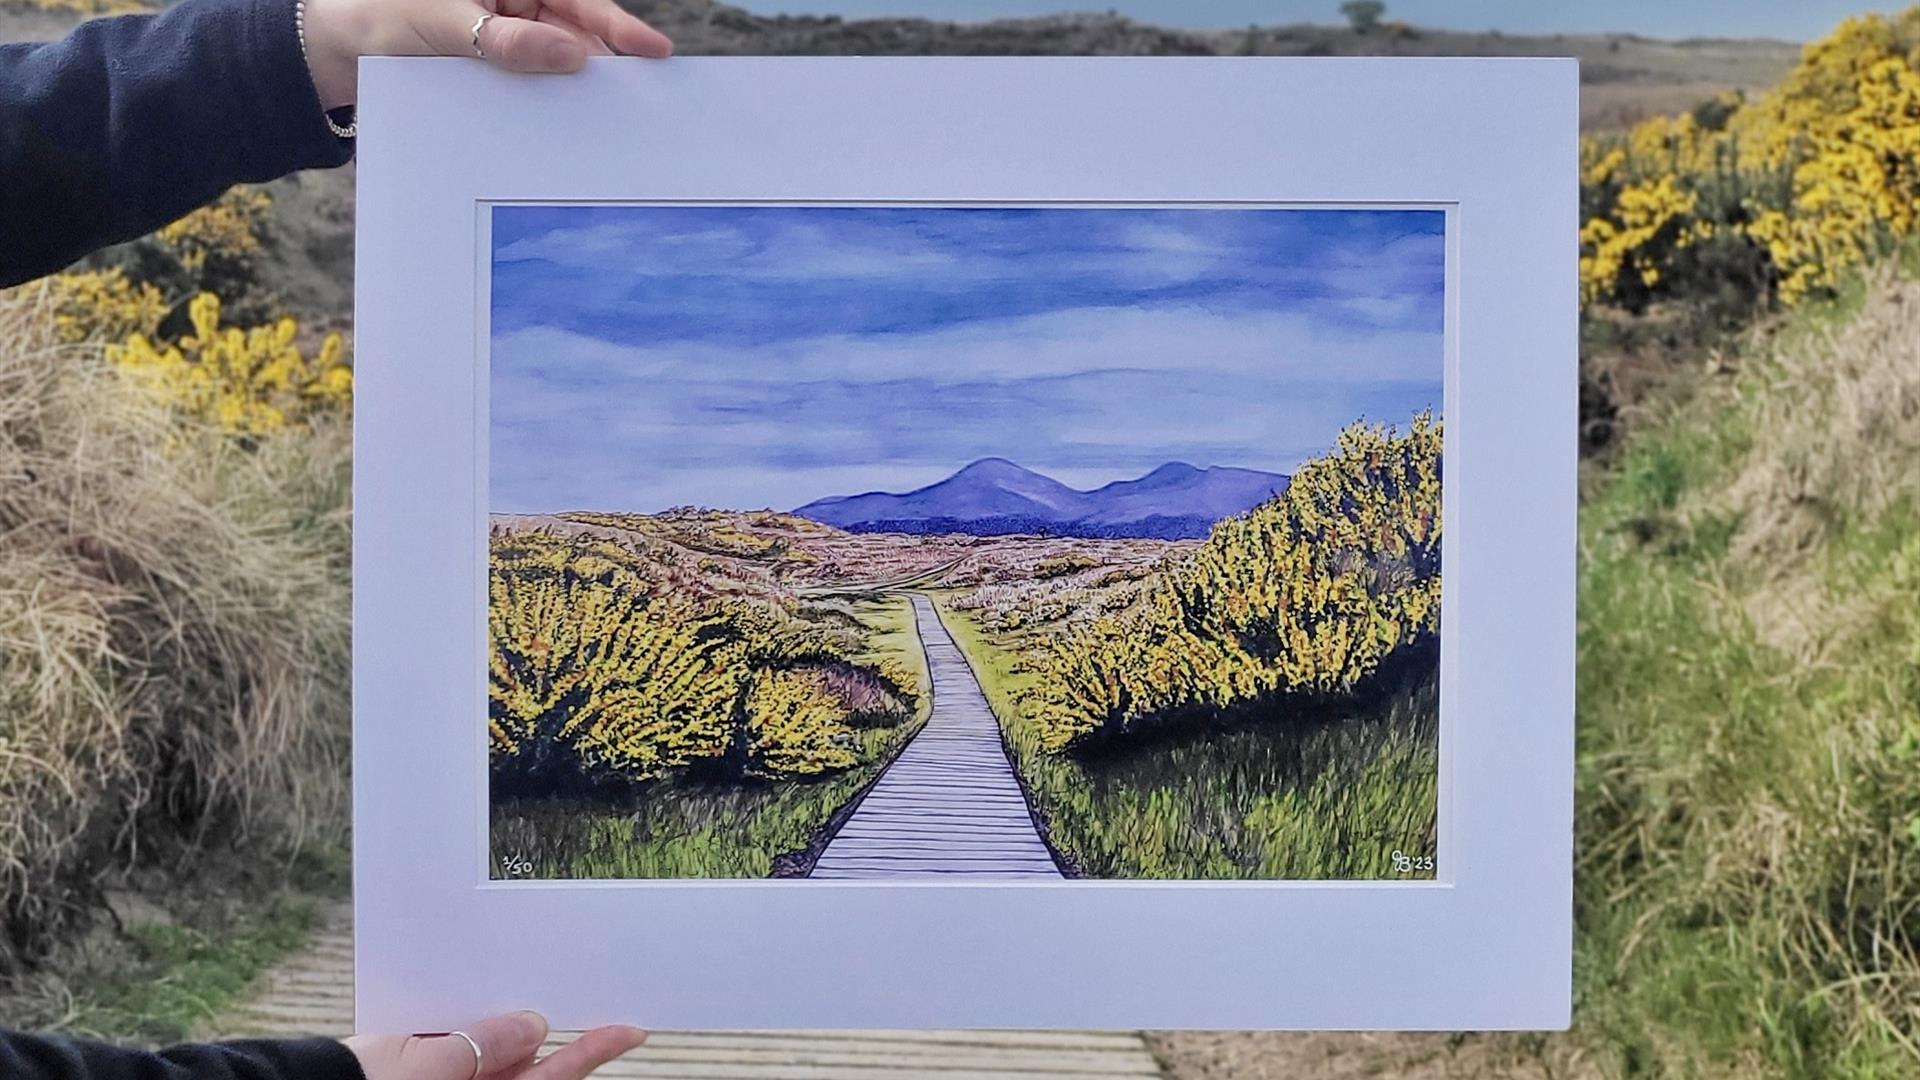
(1487, 946)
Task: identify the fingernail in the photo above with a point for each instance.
(562, 56)
(534, 1023)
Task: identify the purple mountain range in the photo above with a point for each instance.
(995, 497)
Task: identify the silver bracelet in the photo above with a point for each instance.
(352, 130)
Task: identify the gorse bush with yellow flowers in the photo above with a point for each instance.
(1777, 197)
(219, 248)
(248, 382)
(1305, 599)
(223, 232)
(590, 672)
(105, 305)
(240, 380)
(605, 671)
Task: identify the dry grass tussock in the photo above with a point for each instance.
(173, 628)
(1837, 421)
(1835, 429)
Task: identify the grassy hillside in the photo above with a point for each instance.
(1749, 865)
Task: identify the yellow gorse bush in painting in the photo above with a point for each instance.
(795, 727)
(249, 382)
(602, 668)
(588, 664)
(1802, 184)
(1305, 597)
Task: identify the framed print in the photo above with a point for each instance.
(966, 543)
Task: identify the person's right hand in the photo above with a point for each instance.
(507, 1048)
(552, 36)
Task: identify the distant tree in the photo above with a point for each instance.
(1363, 14)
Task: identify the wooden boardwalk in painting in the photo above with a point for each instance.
(949, 804)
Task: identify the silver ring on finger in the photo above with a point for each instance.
(470, 1039)
(479, 24)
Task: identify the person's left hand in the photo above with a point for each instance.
(507, 1048)
(522, 35)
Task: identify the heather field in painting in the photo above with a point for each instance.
(1021, 543)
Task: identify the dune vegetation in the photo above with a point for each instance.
(1748, 868)
(706, 693)
(173, 585)
(1748, 864)
(688, 693)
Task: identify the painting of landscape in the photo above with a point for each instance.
(1025, 543)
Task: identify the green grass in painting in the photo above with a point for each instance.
(891, 633)
(685, 828)
(1334, 802)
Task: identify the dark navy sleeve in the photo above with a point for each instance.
(34, 1057)
(131, 122)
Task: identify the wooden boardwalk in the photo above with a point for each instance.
(949, 804)
(312, 994)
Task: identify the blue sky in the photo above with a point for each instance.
(1791, 20)
(744, 357)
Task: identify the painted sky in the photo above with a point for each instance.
(745, 357)
(1789, 20)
